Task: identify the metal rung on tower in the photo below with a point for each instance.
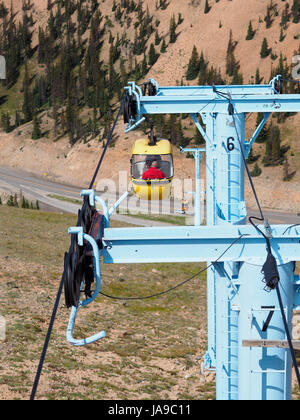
(271, 343)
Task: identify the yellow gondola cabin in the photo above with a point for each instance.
(155, 160)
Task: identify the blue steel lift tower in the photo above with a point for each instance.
(247, 344)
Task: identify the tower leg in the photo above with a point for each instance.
(264, 373)
(226, 333)
(225, 205)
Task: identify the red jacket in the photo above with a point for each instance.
(153, 173)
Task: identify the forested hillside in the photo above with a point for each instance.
(68, 61)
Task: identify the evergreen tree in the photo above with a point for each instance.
(282, 68)
(193, 66)
(281, 37)
(55, 117)
(214, 77)
(274, 154)
(157, 38)
(163, 4)
(265, 50)
(250, 33)
(268, 18)
(276, 149)
(25, 203)
(71, 112)
(26, 35)
(198, 139)
(144, 66)
(180, 19)
(114, 82)
(296, 11)
(152, 55)
(27, 97)
(257, 77)
(265, 132)
(202, 70)
(237, 77)
(206, 7)
(41, 46)
(173, 35)
(231, 63)
(285, 17)
(17, 119)
(10, 201)
(36, 133)
(15, 201)
(163, 48)
(5, 122)
(175, 132)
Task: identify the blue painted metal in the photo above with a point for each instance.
(118, 203)
(264, 373)
(296, 293)
(131, 126)
(196, 244)
(225, 208)
(135, 91)
(234, 251)
(197, 206)
(267, 89)
(205, 99)
(96, 261)
(215, 104)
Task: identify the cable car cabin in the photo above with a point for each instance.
(152, 169)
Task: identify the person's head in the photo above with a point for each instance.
(154, 164)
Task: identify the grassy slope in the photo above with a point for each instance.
(153, 348)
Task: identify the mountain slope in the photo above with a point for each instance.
(209, 32)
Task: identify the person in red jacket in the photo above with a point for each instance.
(153, 172)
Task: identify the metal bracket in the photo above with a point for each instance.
(296, 293)
(81, 342)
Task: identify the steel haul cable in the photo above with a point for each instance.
(61, 285)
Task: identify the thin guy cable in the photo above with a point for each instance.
(179, 284)
(290, 227)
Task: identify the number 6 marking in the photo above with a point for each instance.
(230, 144)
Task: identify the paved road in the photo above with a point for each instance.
(35, 188)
